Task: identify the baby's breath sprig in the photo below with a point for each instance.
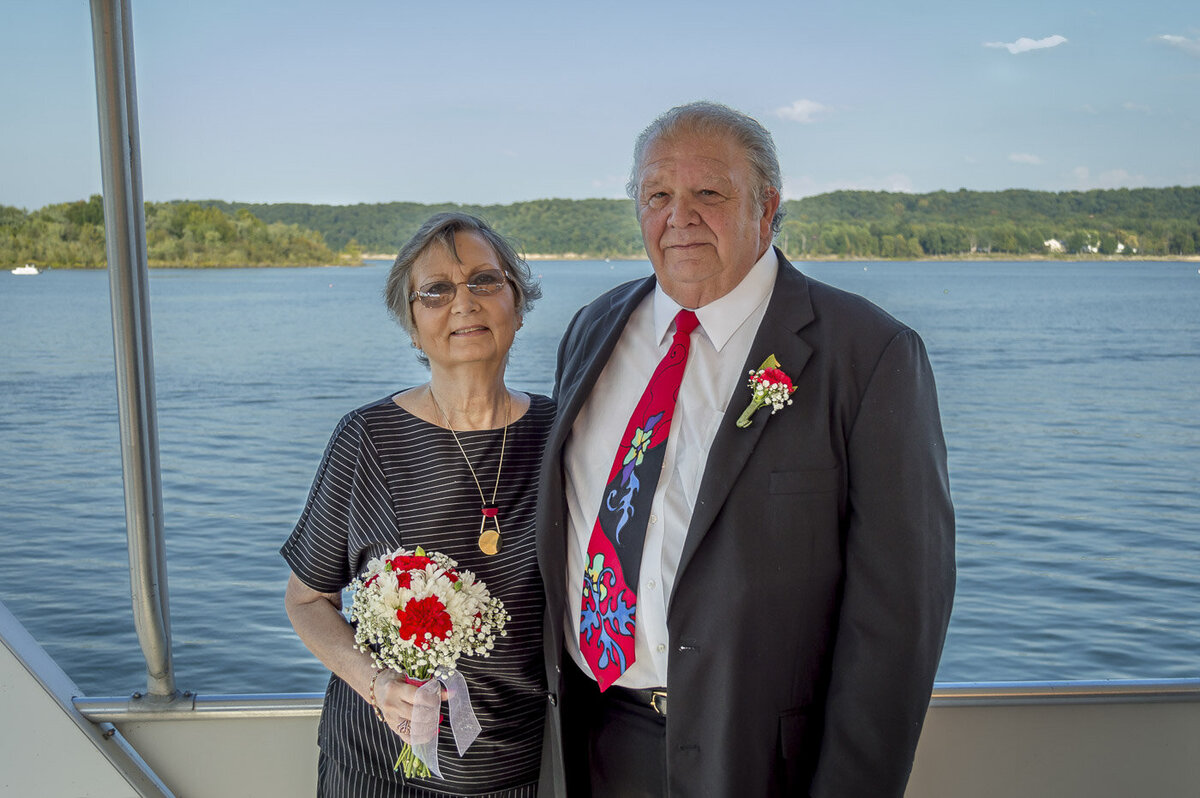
(769, 385)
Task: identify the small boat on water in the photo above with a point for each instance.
(28, 268)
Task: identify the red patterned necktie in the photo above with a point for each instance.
(615, 550)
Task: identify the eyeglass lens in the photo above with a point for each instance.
(440, 292)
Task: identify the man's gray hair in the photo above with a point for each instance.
(709, 118)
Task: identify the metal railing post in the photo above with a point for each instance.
(125, 247)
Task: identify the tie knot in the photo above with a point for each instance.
(685, 322)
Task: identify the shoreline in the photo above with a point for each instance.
(967, 257)
(1001, 257)
(573, 256)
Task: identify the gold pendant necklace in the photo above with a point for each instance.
(489, 536)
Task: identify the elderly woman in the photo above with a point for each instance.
(416, 469)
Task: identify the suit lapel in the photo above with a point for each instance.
(593, 347)
(789, 311)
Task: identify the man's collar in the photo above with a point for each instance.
(721, 318)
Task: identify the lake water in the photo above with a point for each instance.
(1070, 397)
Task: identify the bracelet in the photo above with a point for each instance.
(375, 706)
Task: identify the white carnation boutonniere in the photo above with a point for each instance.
(768, 386)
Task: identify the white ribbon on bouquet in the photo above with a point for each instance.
(427, 715)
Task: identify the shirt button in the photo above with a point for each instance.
(662, 647)
(653, 518)
(652, 584)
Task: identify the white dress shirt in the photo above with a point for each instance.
(719, 348)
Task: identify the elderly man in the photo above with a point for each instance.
(740, 602)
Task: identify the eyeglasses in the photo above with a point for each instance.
(441, 292)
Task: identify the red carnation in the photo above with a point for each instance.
(424, 615)
(409, 562)
(776, 376)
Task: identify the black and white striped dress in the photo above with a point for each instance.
(390, 479)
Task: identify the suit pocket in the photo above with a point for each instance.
(823, 480)
(797, 752)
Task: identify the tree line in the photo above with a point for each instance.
(847, 224)
(1149, 221)
(178, 234)
(596, 228)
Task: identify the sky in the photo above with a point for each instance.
(487, 102)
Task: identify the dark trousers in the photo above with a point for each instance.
(612, 747)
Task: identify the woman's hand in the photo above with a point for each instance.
(399, 703)
(318, 619)
(394, 701)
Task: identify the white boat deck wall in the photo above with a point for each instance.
(1062, 740)
(47, 748)
(988, 745)
(225, 757)
(1144, 748)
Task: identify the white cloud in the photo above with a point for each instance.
(609, 187)
(1024, 157)
(1117, 178)
(1138, 107)
(610, 181)
(803, 111)
(1024, 45)
(1113, 178)
(1189, 46)
(804, 186)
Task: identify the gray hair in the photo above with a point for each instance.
(709, 118)
(441, 229)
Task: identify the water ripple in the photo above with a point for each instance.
(1068, 395)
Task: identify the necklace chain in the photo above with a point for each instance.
(503, 442)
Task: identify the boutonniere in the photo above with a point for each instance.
(769, 386)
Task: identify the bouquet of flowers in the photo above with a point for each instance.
(416, 614)
(768, 386)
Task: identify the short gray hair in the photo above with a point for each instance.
(709, 118)
(441, 229)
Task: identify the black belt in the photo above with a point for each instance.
(653, 698)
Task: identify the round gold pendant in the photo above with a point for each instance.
(489, 541)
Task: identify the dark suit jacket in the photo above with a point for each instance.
(814, 588)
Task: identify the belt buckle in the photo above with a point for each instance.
(658, 701)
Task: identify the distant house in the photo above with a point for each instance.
(1054, 245)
